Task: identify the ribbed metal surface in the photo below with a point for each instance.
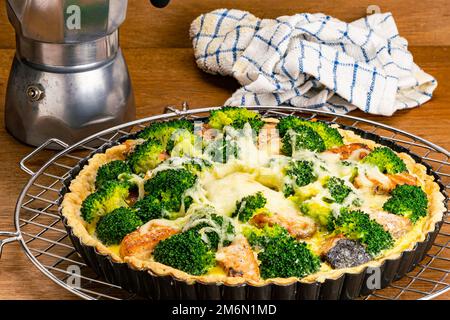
(422, 273)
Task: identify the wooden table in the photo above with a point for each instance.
(157, 48)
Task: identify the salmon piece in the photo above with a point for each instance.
(260, 220)
(238, 259)
(208, 133)
(163, 156)
(140, 243)
(268, 138)
(402, 178)
(396, 225)
(379, 186)
(299, 227)
(391, 181)
(130, 145)
(347, 150)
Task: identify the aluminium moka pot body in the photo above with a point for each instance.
(68, 78)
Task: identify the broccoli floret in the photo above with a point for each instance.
(301, 138)
(305, 193)
(357, 202)
(249, 205)
(110, 172)
(319, 212)
(211, 231)
(146, 156)
(185, 251)
(287, 123)
(163, 131)
(330, 136)
(194, 165)
(197, 165)
(357, 225)
(222, 149)
(386, 160)
(354, 174)
(236, 117)
(338, 190)
(280, 254)
(184, 144)
(149, 208)
(214, 229)
(168, 188)
(110, 196)
(301, 173)
(133, 180)
(113, 227)
(408, 201)
(162, 198)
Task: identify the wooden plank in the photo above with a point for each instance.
(169, 76)
(424, 22)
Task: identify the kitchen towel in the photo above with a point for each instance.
(312, 60)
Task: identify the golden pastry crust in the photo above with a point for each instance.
(83, 185)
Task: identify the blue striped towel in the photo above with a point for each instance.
(312, 61)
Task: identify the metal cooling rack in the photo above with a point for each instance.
(40, 231)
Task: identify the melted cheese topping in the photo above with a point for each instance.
(239, 185)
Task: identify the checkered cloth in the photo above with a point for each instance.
(312, 61)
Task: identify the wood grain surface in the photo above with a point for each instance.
(163, 71)
(425, 22)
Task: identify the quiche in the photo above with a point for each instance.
(239, 198)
